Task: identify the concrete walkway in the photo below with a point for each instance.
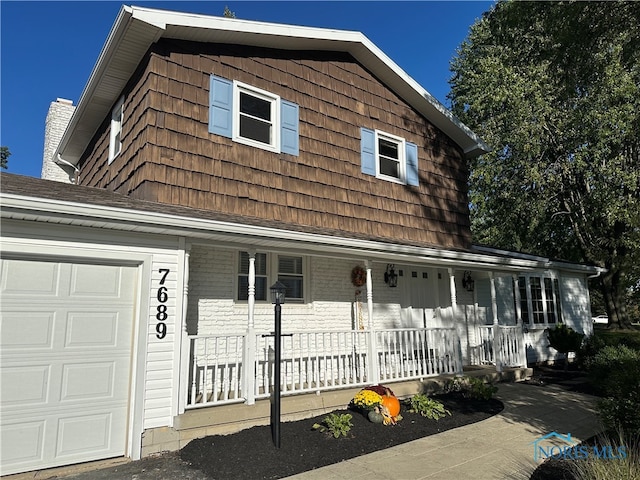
(497, 448)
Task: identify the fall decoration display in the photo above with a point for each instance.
(358, 276)
(383, 407)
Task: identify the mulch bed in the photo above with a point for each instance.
(250, 454)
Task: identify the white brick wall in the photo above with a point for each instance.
(58, 117)
(331, 296)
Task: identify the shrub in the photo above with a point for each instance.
(471, 387)
(428, 407)
(564, 339)
(335, 424)
(615, 372)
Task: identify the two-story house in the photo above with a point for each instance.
(210, 158)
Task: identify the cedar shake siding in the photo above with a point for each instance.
(169, 156)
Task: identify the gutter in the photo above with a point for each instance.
(62, 212)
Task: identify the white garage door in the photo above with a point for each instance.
(65, 360)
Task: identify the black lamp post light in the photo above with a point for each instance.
(278, 290)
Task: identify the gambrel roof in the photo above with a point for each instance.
(136, 29)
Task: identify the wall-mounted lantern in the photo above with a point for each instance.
(390, 276)
(467, 281)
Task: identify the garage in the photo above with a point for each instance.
(66, 337)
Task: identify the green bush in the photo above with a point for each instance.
(471, 387)
(427, 407)
(335, 424)
(615, 373)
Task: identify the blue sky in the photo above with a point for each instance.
(48, 49)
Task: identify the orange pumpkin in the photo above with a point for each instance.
(392, 404)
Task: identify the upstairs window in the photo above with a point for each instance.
(256, 117)
(115, 135)
(252, 116)
(388, 157)
(539, 300)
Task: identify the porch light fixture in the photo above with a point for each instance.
(467, 281)
(390, 276)
(278, 290)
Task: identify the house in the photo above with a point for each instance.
(208, 158)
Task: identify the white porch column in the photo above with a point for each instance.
(185, 344)
(496, 327)
(452, 288)
(249, 355)
(374, 371)
(519, 321)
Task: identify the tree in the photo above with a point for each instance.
(554, 89)
(4, 156)
(228, 13)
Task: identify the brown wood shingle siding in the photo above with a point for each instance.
(169, 156)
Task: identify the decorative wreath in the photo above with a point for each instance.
(358, 276)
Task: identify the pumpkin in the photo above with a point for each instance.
(391, 403)
(375, 416)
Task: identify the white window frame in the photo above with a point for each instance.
(272, 275)
(556, 300)
(402, 161)
(115, 130)
(274, 100)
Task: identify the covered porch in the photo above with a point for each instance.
(406, 333)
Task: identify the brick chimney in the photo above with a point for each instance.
(58, 118)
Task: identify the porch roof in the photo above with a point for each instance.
(136, 29)
(36, 200)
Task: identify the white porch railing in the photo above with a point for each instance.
(316, 361)
(509, 345)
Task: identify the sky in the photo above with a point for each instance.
(48, 49)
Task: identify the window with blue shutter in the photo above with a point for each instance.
(253, 116)
(388, 157)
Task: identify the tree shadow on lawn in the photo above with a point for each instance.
(250, 453)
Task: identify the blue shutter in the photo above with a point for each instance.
(221, 106)
(368, 151)
(412, 164)
(289, 128)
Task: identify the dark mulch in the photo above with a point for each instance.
(303, 448)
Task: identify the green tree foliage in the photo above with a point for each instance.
(4, 156)
(554, 89)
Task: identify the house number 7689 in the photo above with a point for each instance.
(161, 310)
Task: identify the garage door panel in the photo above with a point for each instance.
(84, 434)
(88, 381)
(22, 443)
(27, 278)
(24, 385)
(100, 282)
(92, 329)
(65, 362)
(26, 329)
